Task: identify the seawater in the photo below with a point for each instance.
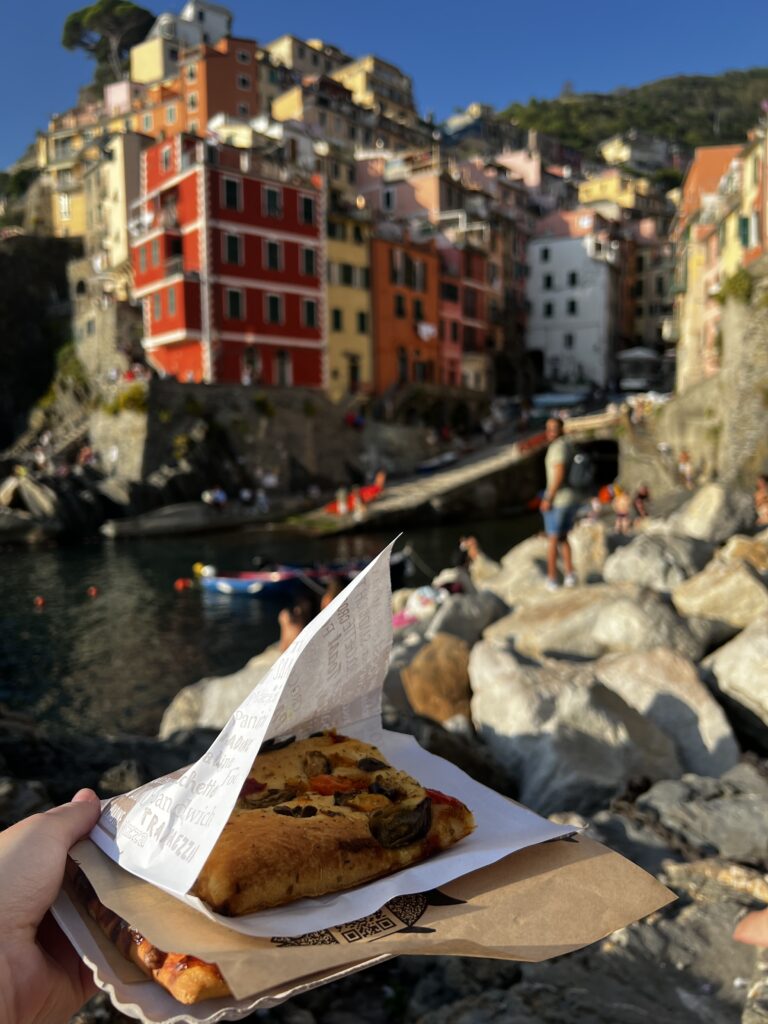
(112, 663)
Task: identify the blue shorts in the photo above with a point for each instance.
(559, 521)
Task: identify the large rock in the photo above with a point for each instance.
(573, 743)
(714, 513)
(436, 682)
(738, 672)
(467, 615)
(588, 622)
(209, 703)
(723, 817)
(665, 687)
(523, 570)
(728, 592)
(589, 548)
(658, 561)
(752, 550)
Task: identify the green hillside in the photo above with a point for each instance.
(696, 110)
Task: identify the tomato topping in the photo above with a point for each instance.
(327, 785)
(252, 786)
(443, 798)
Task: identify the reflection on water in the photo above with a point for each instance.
(113, 662)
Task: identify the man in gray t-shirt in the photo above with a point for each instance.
(559, 504)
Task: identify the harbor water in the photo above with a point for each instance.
(112, 662)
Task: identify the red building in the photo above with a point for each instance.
(464, 309)
(227, 256)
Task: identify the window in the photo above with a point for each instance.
(90, 327)
(235, 307)
(243, 110)
(271, 205)
(170, 114)
(639, 312)
(274, 309)
(142, 259)
(244, 82)
(544, 255)
(337, 231)
(310, 313)
(660, 286)
(232, 190)
(454, 330)
(272, 256)
(155, 252)
(573, 279)
(547, 282)
(388, 199)
(193, 127)
(362, 323)
(337, 320)
(568, 340)
(165, 158)
(233, 249)
(548, 309)
(173, 53)
(357, 234)
(418, 310)
(146, 122)
(171, 302)
(365, 277)
(308, 262)
(350, 175)
(243, 57)
(314, 60)
(192, 73)
(347, 274)
(572, 307)
(639, 263)
(307, 210)
(420, 275)
(157, 306)
(284, 369)
(400, 307)
(192, 101)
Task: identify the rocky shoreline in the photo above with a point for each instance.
(633, 705)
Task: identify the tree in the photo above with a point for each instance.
(107, 30)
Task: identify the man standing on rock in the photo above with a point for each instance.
(559, 505)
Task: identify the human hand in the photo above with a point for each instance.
(545, 505)
(470, 546)
(42, 979)
(753, 929)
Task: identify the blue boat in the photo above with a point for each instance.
(283, 580)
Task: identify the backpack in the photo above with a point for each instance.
(581, 469)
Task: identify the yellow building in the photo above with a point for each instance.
(306, 56)
(350, 345)
(623, 190)
(60, 151)
(377, 85)
(154, 60)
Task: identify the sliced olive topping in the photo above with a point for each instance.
(269, 798)
(316, 763)
(276, 744)
(390, 792)
(371, 764)
(400, 826)
(308, 811)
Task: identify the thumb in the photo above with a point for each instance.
(753, 929)
(75, 820)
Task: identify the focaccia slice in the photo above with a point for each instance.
(319, 816)
(187, 978)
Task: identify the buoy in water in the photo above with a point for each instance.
(92, 591)
(182, 584)
(39, 601)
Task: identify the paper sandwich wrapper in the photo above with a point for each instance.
(518, 888)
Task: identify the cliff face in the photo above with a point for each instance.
(723, 421)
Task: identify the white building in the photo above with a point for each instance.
(157, 57)
(573, 291)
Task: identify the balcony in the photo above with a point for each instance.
(174, 265)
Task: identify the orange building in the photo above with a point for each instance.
(405, 311)
(218, 79)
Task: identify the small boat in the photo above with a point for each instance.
(282, 580)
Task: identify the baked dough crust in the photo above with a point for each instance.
(323, 831)
(187, 978)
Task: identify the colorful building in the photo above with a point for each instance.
(350, 347)
(378, 85)
(404, 308)
(156, 59)
(228, 262)
(615, 190)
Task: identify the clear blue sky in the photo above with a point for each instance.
(456, 52)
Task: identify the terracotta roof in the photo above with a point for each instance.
(707, 168)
